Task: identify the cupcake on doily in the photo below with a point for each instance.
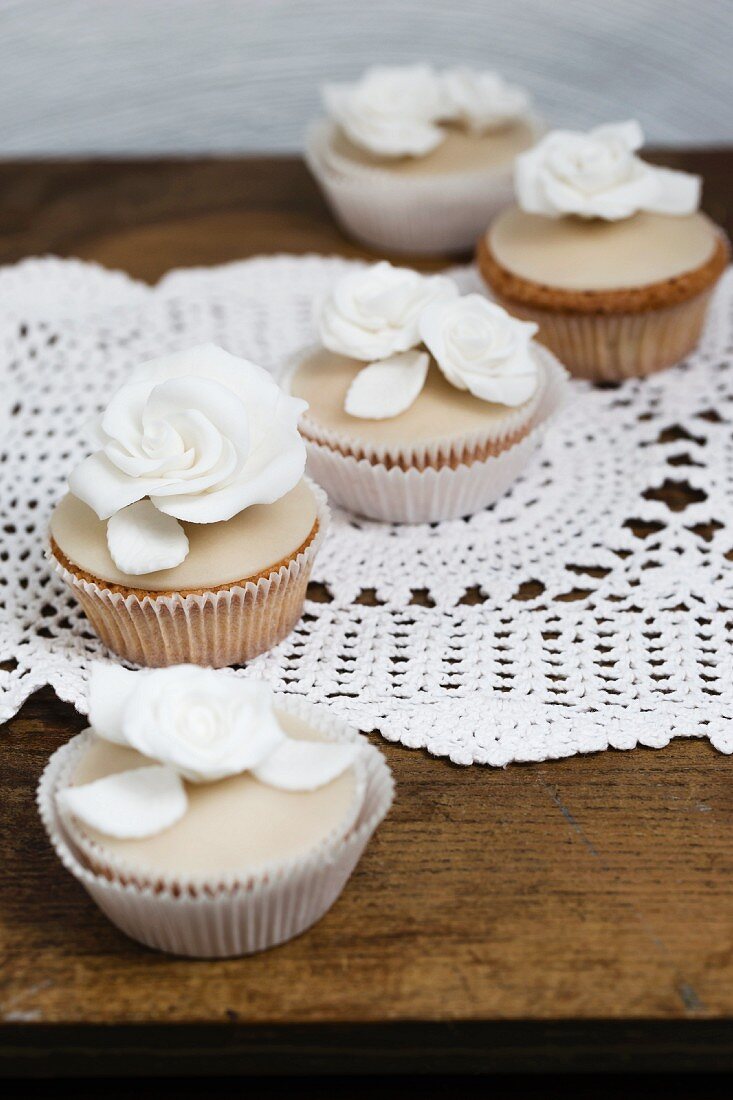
(206, 816)
(190, 534)
(415, 160)
(423, 405)
(609, 255)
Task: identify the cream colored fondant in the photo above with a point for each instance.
(576, 254)
(234, 826)
(460, 151)
(247, 544)
(440, 412)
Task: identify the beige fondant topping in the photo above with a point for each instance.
(439, 412)
(460, 151)
(576, 254)
(247, 544)
(234, 826)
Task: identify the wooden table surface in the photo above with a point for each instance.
(572, 914)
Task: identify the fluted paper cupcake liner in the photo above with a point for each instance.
(441, 213)
(224, 918)
(225, 627)
(429, 495)
(613, 347)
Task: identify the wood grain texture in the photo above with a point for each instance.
(570, 914)
(148, 216)
(89, 76)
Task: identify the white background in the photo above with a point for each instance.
(154, 76)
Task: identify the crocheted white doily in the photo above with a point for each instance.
(580, 612)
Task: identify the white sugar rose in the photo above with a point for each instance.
(203, 725)
(597, 175)
(195, 724)
(483, 101)
(375, 312)
(199, 436)
(390, 111)
(479, 347)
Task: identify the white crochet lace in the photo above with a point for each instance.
(540, 628)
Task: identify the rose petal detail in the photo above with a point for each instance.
(305, 765)
(105, 488)
(128, 805)
(272, 468)
(110, 689)
(143, 540)
(389, 387)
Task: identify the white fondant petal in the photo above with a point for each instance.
(142, 540)
(482, 100)
(629, 133)
(272, 470)
(305, 765)
(216, 404)
(387, 388)
(106, 489)
(110, 688)
(129, 805)
(678, 192)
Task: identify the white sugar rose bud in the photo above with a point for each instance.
(373, 313)
(598, 175)
(390, 111)
(483, 101)
(203, 435)
(479, 347)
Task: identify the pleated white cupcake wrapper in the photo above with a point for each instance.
(223, 917)
(439, 452)
(215, 629)
(430, 495)
(440, 213)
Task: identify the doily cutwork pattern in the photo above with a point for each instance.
(585, 610)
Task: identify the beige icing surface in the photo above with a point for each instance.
(234, 826)
(441, 411)
(241, 547)
(575, 254)
(460, 151)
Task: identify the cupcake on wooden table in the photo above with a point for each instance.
(189, 535)
(609, 255)
(423, 405)
(207, 816)
(415, 160)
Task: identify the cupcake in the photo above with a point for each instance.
(607, 254)
(207, 817)
(423, 405)
(414, 160)
(189, 536)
